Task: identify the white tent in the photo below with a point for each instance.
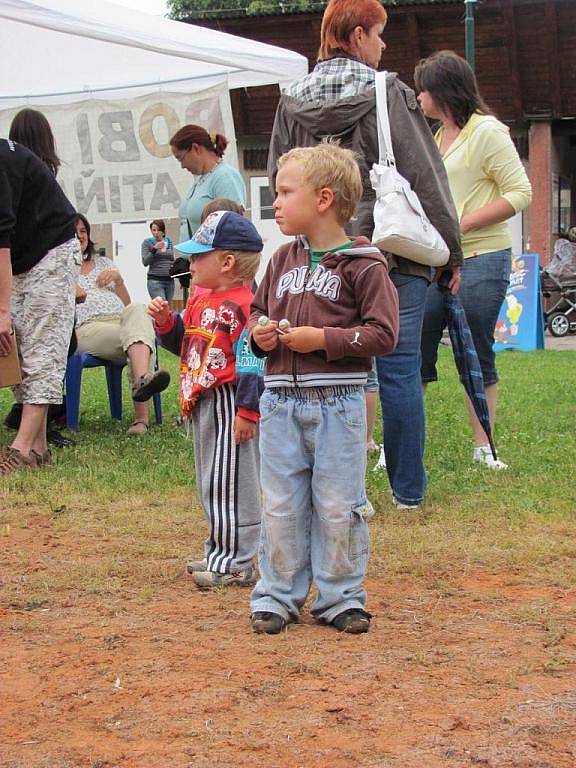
(60, 51)
(115, 84)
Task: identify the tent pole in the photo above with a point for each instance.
(469, 32)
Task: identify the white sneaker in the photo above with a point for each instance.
(193, 566)
(399, 505)
(207, 579)
(483, 455)
(381, 463)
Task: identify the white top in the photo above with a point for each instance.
(99, 301)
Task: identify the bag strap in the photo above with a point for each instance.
(384, 137)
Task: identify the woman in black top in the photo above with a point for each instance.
(39, 265)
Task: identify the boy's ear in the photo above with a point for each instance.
(325, 199)
(228, 262)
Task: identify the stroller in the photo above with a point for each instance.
(558, 281)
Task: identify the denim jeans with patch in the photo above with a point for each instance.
(315, 511)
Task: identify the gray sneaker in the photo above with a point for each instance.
(208, 579)
(193, 566)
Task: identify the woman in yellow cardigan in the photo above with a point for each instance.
(489, 185)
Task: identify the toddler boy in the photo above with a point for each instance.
(220, 384)
(342, 310)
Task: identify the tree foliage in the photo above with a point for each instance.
(183, 9)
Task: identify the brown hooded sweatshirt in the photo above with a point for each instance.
(349, 295)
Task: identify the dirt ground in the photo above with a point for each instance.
(459, 671)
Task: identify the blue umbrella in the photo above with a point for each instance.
(465, 356)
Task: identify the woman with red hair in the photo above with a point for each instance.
(337, 101)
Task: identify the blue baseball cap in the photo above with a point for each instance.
(222, 230)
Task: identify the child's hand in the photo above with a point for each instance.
(159, 310)
(266, 336)
(244, 430)
(304, 339)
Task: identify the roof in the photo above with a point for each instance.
(283, 9)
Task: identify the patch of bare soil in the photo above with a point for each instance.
(471, 671)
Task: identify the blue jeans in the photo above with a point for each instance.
(315, 511)
(482, 290)
(161, 288)
(401, 395)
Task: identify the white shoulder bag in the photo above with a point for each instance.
(400, 224)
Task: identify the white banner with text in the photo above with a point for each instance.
(116, 159)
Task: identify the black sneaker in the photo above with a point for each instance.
(354, 621)
(12, 420)
(265, 622)
(57, 414)
(56, 438)
(150, 384)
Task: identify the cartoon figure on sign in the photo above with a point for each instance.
(513, 313)
(518, 264)
(501, 332)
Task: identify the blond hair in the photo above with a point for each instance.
(247, 262)
(329, 165)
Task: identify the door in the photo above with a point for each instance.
(127, 237)
(261, 199)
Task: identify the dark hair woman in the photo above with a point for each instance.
(109, 326)
(158, 255)
(337, 99)
(201, 153)
(489, 185)
(83, 234)
(33, 130)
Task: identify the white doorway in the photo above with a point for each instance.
(127, 237)
(261, 200)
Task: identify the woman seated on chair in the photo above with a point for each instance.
(109, 326)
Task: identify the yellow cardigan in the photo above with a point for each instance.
(482, 165)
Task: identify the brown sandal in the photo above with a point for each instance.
(137, 428)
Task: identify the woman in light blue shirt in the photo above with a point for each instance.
(201, 153)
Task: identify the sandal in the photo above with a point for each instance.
(150, 384)
(137, 428)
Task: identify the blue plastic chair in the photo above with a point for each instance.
(76, 364)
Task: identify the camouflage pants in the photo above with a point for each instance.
(43, 300)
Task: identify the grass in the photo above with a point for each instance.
(131, 506)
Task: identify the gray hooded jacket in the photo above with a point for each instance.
(307, 120)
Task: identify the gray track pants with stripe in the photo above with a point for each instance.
(227, 479)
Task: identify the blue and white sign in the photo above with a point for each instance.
(521, 322)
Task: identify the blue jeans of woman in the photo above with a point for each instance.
(161, 288)
(401, 395)
(314, 511)
(482, 290)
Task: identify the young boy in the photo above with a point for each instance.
(220, 384)
(342, 310)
